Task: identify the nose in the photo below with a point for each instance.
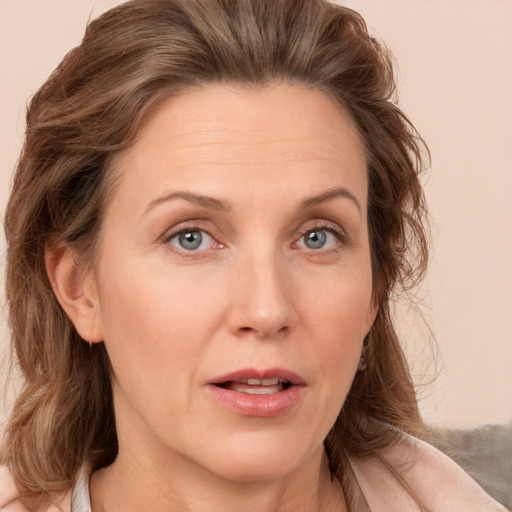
(262, 299)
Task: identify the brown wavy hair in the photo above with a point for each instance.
(90, 109)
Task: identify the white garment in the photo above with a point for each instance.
(80, 499)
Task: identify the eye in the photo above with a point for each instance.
(319, 238)
(192, 240)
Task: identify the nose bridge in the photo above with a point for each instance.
(262, 296)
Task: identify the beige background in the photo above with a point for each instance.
(455, 78)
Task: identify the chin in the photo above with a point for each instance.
(261, 458)
(261, 470)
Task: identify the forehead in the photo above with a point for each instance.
(218, 133)
(256, 114)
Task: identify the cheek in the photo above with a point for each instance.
(340, 310)
(337, 317)
(152, 323)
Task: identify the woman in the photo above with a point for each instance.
(215, 203)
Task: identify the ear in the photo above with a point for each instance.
(76, 292)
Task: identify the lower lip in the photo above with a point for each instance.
(262, 406)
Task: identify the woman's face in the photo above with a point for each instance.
(233, 286)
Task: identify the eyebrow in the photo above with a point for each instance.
(218, 204)
(201, 200)
(331, 194)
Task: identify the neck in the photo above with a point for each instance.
(130, 484)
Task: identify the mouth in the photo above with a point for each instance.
(263, 393)
(256, 386)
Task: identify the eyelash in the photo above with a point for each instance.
(340, 235)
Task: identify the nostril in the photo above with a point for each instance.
(264, 333)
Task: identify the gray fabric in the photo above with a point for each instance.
(485, 453)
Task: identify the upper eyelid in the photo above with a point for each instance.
(337, 232)
(173, 234)
(323, 224)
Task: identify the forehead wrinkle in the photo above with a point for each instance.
(221, 131)
(253, 152)
(278, 163)
(212, 130)
(218, 134)
(169, 141)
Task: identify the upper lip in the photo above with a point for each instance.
(254, 373)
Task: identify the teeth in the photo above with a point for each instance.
(264, 382)
(258, 390)
(257, 386)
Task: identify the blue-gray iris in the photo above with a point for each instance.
(315, 239)
(190, 240)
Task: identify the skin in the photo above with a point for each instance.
(253, 295)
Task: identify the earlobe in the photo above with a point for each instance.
(76, 292)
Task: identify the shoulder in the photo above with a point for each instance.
(439, 483)
(9, 497)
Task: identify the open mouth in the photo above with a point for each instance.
(256, 386)
(266, 393)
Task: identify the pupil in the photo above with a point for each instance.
(315, 239)
(190, 240)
